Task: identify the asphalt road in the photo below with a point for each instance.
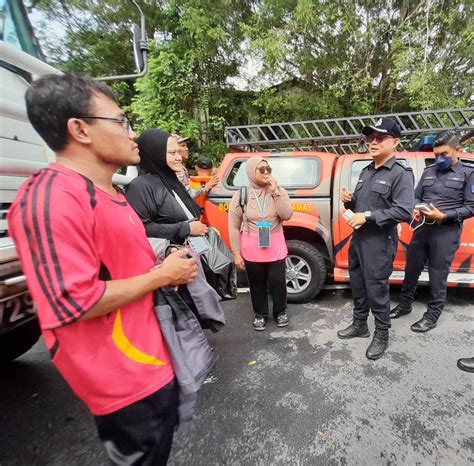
(297, 395)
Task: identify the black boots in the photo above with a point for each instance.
(423, 325)
(399, 311)
(466, 364)
(358, 328)
(379, 344)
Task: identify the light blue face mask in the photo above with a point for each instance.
(443, 163)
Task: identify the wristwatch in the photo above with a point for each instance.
(368, 215)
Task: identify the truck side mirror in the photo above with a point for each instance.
(140, 50)
(137, 47)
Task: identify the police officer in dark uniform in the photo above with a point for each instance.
(382, 198)
(447, 188)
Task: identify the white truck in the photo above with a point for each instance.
(22, 153)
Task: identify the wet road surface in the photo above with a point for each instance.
(297, 395)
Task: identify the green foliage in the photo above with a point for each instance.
(164, 96)
(319, 58)
(362, 57)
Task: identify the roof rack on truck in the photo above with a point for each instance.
(343, 135)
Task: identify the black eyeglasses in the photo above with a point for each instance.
(377, 138)
(127, 126)
(266, 169)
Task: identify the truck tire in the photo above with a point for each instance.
(18, 341)
(305, 271)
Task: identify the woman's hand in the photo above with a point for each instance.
(239, 261)
(197, 228)
(274, 185)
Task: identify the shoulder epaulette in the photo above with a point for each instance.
(467, 164)
(430, 166)
(406, 167)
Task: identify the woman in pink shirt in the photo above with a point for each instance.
(258, 243)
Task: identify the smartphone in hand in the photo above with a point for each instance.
(423, 207)
(348, 214)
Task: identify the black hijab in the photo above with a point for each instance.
(152, 145)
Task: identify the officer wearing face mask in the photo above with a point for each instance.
(447, 188)
(383, 197)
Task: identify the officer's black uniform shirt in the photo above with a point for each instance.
(451, 191)
(387, 192)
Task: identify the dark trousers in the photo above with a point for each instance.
(263, 276)
(142, 433)
(371, 256)
(435, 244)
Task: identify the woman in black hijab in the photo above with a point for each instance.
(161, 201)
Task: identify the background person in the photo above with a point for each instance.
(183, 174)
(267, 203)
(383, 197)
(160, 199)
(203, 166)
(204, 180)
(76, 235)
(447, 188)
(192, 188)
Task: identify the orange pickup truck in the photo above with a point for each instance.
(317, 235)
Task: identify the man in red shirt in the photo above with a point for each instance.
(91, 270)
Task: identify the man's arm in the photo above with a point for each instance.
(175, 270)
(351, 197)
(63, 266)
(402, 202)
(419, 191)
(467, 210)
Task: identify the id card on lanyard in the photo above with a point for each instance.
(263, 227)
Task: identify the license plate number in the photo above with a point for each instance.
(15, 310)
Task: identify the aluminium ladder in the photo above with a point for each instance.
(343, 135)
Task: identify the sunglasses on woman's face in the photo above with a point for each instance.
(265, 169)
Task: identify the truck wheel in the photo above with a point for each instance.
(18, 341)
(305, 271)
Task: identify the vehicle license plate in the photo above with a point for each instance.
(14, 310)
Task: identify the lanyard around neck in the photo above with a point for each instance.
(261, 206)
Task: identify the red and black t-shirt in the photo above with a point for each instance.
(71, 238)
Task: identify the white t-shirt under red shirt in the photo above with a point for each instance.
(71, 238)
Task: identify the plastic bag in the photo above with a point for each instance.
(219, 268)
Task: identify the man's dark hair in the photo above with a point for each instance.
(53, 99)
(448, 137)
(203, 162)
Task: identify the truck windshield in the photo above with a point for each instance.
(290, 172)
(16, 30)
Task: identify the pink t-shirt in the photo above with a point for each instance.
(251, 252)
(71, 238)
